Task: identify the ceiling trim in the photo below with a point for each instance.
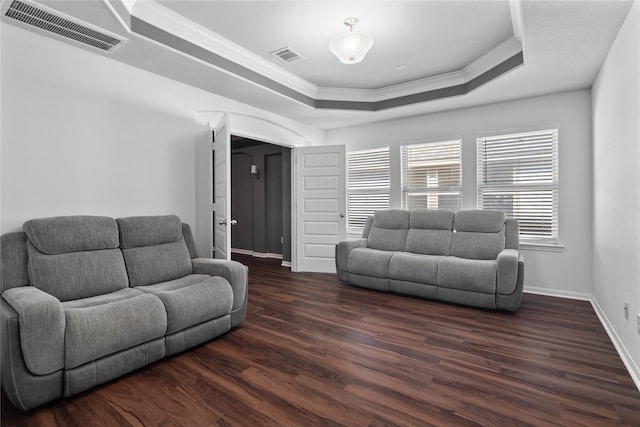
(165, 27)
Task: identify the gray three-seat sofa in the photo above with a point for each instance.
(467, 257)
(86, 299)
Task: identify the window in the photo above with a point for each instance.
(368, 184)
(431, 175)
(518, 174)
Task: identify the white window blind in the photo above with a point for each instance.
(518, 174)
(432, 175)
(368, 184)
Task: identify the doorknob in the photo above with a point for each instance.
(224, 222)
(341, 215)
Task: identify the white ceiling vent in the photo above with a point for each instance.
(51, 21)
(286, 54)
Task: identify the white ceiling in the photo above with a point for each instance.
(564, 44)
(428, 37)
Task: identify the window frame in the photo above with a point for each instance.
(551, 135)
(405, 189)
(369, 190)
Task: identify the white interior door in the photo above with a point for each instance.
(320, 206)
(222, 189)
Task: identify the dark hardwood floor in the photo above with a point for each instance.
(313, 351)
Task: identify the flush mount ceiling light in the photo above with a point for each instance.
(351, 48)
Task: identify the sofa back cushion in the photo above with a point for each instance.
(389, 230)
(430, 232)
(154, 249)
(75, 257)
(478, 234)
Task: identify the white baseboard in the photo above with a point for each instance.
(626, 357)
(558, 293)
(286, 264)
(624, 354)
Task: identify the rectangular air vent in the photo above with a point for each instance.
(36, 16)
(286, 54)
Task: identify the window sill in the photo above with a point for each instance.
(545, 247)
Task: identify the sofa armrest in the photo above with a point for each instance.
(507, 270)
(42, 326)
(344, 248)
(235, 273)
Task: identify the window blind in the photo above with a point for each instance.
(518, 174)
(368, 184)
(432, 175)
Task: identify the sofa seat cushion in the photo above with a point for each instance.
(467, 274)
(110, 323)
(414, 268)
(192, 299)
(370, 262)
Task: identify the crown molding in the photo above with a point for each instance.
(168, 28)
(173, 23)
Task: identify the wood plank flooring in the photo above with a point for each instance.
(313, 351)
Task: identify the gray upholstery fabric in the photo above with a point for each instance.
(471, 245)
(429, 242)
(511, 234)
(507, 270)
(122, 294)
(235, 273)
(367, 227)
(112, 366)
(13, 261)
(481, 221)
(389, 230)
(414, 268)
(413, 288)
(95, 332)
(149, 230)
(42, 326)
(460, 296)
(454, 256)
(432, 219)
(197, 334)
(430, 232)
(511, 302)
(393, 219)
(77, 274)
(80, 324)
(188, 240)
(239, 313)
(344, 248)
(72, 234)
(191, 304)
(369, 282)
(152, 264)
(468, 274)
(387, 239)
(370, 262)
(24, 389)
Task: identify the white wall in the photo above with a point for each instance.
(84, 134)
(567, 272)
(616, 187)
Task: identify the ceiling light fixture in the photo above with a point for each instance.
(351, 48)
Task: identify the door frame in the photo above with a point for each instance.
(247, 126)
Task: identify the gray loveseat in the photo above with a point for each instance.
(86, 299)
(467, 257)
